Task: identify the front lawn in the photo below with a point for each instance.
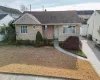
(45, 61)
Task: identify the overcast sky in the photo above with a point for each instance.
(54, 4)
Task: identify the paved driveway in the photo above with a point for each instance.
(92, 53)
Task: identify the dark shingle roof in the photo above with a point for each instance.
(85, 12)
(2, 16)
(9, 10)
(46, 17)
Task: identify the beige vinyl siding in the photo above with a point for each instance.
(63, 36)
(31, 32)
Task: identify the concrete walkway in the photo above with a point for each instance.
(56, 45)
(27, 77)
(92, 54)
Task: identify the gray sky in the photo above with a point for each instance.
(53, 4)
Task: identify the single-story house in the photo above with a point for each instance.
(4, 20)
(52, 25)
(84, 15)
(94, 26)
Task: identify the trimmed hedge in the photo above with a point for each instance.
(24, 42)
(45, 42)
(72, 43)
(39, 37)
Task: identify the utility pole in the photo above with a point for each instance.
(30, 7)
(43, 7)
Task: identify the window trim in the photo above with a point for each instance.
(21, 29)
(67, 26)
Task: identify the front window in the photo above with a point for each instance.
(69, 29)
(23, 28)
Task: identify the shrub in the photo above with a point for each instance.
(24, 42)
(72, 43)
(89, 36)
(45, 40)
(9, 32)
(61, 43)
(39, 37)
(48, 42)
(40, 44)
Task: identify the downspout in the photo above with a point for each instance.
(93, 28)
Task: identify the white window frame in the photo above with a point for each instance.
(67, 26)
(22, 29)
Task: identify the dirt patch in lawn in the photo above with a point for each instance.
(46, 61)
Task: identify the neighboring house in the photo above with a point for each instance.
(4, 20)
(12, 12)
(52, 25)
(94, 25)
(84, 15)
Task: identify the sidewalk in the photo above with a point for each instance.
(91, 53)
(26, 77)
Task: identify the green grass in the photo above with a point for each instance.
(77, 52)
(5, 43)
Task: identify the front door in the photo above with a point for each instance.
(56, 32)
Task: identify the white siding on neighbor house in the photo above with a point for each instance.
(83, 30)
(93, 26)
(5, 21)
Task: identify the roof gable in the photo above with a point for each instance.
(50, 17)
(27, 19)
(95, 14)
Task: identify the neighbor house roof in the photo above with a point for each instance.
(9, 10)
(98, 11)
(2, 16)
(47, 17)
(85, 12)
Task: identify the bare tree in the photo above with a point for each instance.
(23, 8)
